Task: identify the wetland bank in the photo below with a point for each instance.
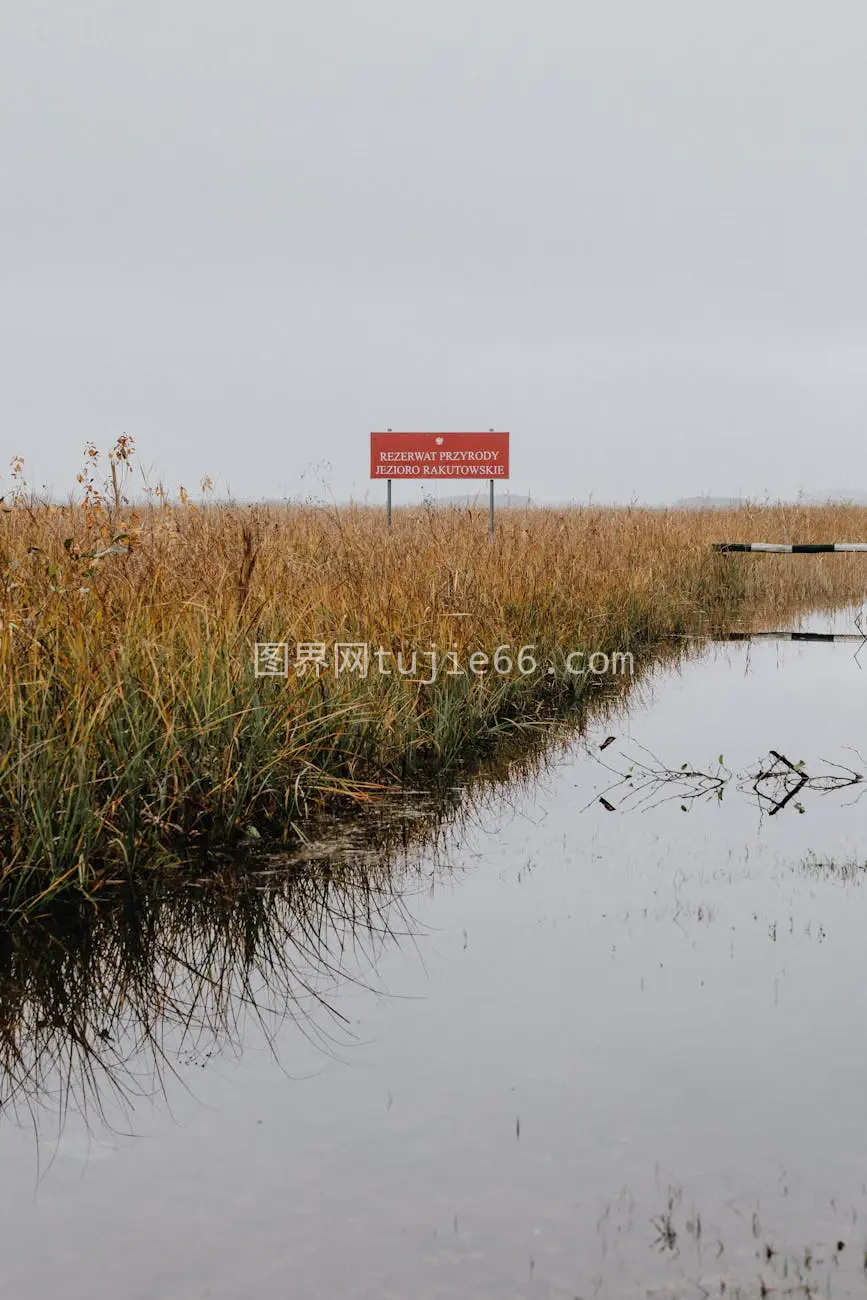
(444, 1001)
(529, 1047)
(137, 730)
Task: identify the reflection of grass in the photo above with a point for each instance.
(99, 1000)
(131, 722)
(96, 1005)
(848, 870)
(725, 1249)
(773, 783)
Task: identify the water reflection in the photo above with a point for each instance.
(512, 1045)
(175, 973)
(99, 1004)
(642, 780)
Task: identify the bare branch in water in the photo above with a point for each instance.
(773, 783)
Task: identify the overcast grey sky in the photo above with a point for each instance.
(630, 231)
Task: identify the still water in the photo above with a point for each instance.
(569, 1051)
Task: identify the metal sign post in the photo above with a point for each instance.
(491, 509)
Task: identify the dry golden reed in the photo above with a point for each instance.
(134, 732)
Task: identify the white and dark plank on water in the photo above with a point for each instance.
(847, 637)
(793, 548)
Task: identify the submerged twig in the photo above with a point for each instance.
(775, 784)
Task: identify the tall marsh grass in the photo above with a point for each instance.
(134, 732)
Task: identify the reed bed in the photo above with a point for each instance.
(136, 736)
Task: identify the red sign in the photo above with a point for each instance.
(439, 455)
